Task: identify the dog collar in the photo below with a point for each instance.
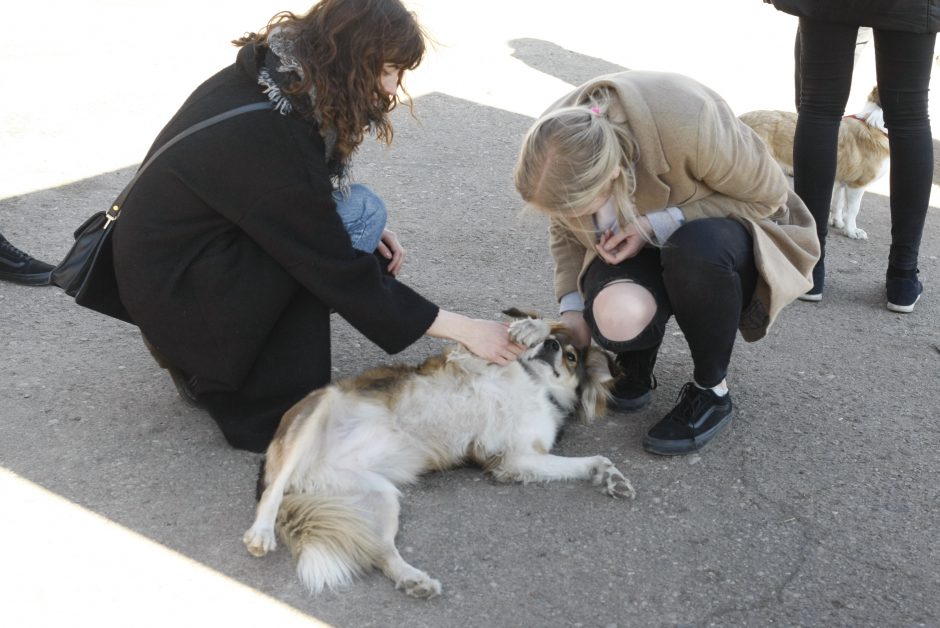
(863, 120)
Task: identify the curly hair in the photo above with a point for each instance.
(342, 46)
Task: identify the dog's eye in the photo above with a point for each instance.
(571, 356)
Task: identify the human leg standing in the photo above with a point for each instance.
(903, 62)
(827, 57)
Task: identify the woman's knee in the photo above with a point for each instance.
(623, 310)
(363, 214)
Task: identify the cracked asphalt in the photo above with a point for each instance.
(124, 507)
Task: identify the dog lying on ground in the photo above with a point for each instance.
(863, 156)
(332, 472)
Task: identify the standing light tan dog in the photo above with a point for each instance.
(863, 156)
(334, 467)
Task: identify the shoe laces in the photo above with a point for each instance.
(12, 251)
(689, 402)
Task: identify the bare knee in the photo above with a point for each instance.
(622, 310)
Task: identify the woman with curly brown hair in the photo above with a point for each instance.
(234, 245)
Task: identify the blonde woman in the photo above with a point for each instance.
(663, 204)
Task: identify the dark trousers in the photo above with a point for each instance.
(294, 362)
(704, 276)
(903, 63)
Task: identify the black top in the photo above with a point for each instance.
(222, 229)
(910, 16)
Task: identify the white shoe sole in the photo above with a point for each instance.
(814, 298)
(903, 309)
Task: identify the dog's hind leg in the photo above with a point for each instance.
(383, 503)
(853, 203)
(535, 467)
(260, 538)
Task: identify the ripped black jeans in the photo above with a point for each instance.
(704, 276)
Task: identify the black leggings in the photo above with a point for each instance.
(903, 63)
(704, 275)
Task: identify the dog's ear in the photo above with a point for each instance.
(515, 312)
(594, 388)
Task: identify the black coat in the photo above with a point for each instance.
(222, 230)
(910, 16)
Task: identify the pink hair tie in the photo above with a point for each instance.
(596, 111)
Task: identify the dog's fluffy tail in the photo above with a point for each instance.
(329, 538)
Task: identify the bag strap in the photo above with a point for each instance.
(112, 213)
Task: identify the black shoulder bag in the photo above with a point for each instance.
(87, 271)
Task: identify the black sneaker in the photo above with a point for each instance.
(632, 390)
(18, 267)
(903, 290)
(699, 416)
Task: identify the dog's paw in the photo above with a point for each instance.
(529, 331)
(420, 585)
(260, 541)
(855, 234)
(616, 485)
(611, 480)
(838, 223)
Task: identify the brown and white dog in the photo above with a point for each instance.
(332, 472)
(863, 156)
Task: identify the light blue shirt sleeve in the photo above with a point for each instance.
(665, 223)
(571, 302)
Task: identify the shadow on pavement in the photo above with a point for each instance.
(811, 509)
(568, 65)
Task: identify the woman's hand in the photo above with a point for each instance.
(580, 332)
(487, 339)
(390, 248)
(617, 247)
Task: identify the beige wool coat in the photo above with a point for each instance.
(696, 155)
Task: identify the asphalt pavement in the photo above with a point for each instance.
(123, 506)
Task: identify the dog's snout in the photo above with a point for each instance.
(552, 345)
